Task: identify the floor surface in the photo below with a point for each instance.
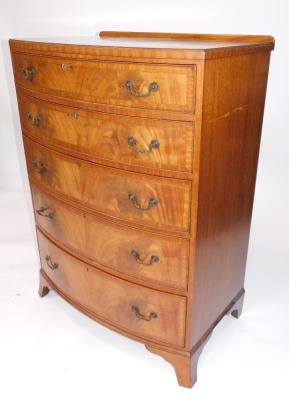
(48, 350)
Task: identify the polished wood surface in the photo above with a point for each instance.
(166, 48)
(229, 149)
(207, 118)
(111, 244)
(107, 190)
(112, 298)
(142, 113)
(101, 137)
(205, 39)
(105, 83)
(185, 364)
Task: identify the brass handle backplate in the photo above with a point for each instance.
(33, 121)
(27, 73)
(50, 264)
(153, 87)
(132, 199)
(40, 170)
(147, 318)
(154, 144)
(135, 255)
(41, 212)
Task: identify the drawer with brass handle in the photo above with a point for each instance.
(138, 310)
(142, 86)
(147, 200)
(100, 137)
(148, 257)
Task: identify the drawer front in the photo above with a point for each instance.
(113, 299)
(112, 245)
(127, 140)
(165, 202)
(106, 82)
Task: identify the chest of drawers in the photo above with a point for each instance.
(142, 154)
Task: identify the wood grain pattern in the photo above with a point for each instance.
(105, 137)
(109, 109)
(112, 299)
(152, 50)
(107, 190)
(228, 164)
(185, 364)
(204, 39)
(111, 244)
(105, 83)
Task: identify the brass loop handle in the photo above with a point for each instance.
(154, 144)
(27, 73)
(41, 212)
(153, 87)
(40, 170)
(135, 255)
(63, 66)
(50, 264)
(132, 199)
(33, 121)
(152, 315)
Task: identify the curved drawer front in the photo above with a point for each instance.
(113, 192)
(107, 82)
(126, 140)
(113, 299)
(112, 245)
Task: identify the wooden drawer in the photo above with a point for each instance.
(112, 244)
(112, 299)
(110, 191)
(101, 137)
(106, 82)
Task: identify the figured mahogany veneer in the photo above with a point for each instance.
(105, 138)
(112, 299)
(107, 190)
(105, 83)
(111, 244)
(142, 152)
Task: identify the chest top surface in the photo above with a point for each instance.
(157, 45)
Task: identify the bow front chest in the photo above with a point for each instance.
(142, 151)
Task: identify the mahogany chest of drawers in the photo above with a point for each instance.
(142, 153)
